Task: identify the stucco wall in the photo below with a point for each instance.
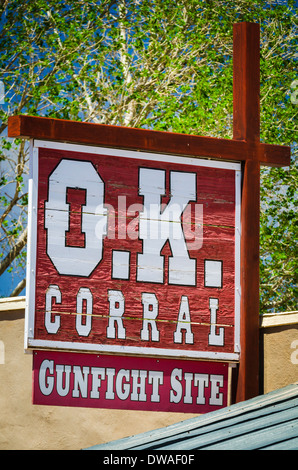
(27, 426)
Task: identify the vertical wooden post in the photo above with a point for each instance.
(246, 126)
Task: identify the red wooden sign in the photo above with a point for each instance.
(134, 253)
(101, 381)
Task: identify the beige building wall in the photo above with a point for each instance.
(27, 426)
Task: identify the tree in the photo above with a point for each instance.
(156, 64)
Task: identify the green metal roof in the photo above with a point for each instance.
(268, 422)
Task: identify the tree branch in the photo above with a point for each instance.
(15, 250)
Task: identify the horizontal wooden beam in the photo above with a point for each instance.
(246, 126)
(60, 130)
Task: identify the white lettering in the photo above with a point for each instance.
(116, 320)
(188, 377)
(98, 374)
(138, 385)
(216, 398)
(135, 385)
(156, 379)
(84, 294)
(61, 371)
(46, 383)
(110, 395)
(80, 381)
(214, 338)
(122, 390)
(294, 355)
(176, 391)
(2, 352)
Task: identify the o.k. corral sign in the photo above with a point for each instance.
(143, 257)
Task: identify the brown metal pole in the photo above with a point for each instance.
(246, 122)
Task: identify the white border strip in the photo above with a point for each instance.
(237, 259)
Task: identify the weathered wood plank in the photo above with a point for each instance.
(60, 130)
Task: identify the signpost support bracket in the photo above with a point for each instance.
(245, 147)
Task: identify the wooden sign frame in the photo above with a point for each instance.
(220, 190)
(130, 382)
(245, 147)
